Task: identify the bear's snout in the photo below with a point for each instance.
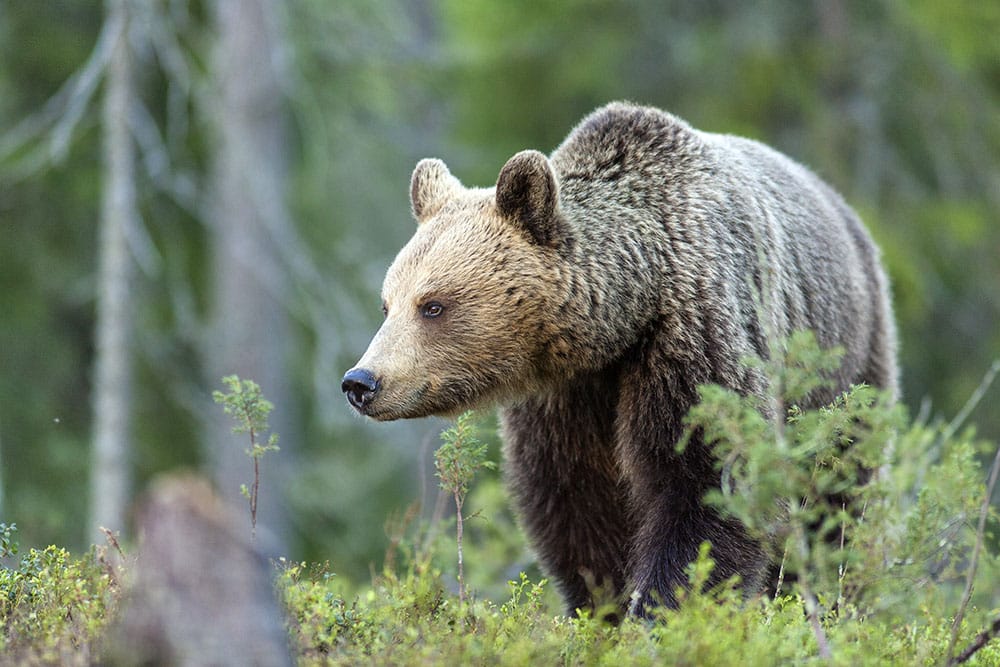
(360, 386)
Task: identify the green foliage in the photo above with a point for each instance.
(411, 619)
(53, 607)
(247, 406)
(460, 456)
(794, 482)
(893, 103)
(457, 460)
(885, 594)
(8, 545)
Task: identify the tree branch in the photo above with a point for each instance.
(980, 641)
(984, 511)
(62, 113)
(971, 404)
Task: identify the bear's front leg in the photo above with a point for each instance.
(668, 540)
(561, 470)
(666, 489)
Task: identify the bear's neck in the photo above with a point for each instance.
(611, 287)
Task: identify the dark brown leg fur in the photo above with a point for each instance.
(567, 488)
(666, 487)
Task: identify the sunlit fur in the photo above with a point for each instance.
(465, 258)
(588, 294)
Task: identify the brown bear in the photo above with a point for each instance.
(588, 295)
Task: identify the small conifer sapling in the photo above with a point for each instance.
(457, 460)
(247, 406)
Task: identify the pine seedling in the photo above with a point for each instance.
(457, 460)
(245, 404)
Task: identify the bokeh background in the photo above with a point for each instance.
(192, 189)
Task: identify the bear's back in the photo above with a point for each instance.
(621, 141)
(644, 179)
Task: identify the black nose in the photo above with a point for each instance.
(360, 386)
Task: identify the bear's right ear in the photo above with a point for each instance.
(527, 194)
(431, 186)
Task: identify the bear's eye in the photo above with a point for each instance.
(385, 309)
(431, 309)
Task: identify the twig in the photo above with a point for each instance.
(812, 604)
(459, 501)
(177, 184)
(112, 540)
(111, 564)
(970, 576)
(395, 529)
(256, 485)
(980, 641)
(812, 609)
(971, 404)
(781, 573)
(842, 566)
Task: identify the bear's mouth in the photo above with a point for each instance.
(386, 402)
(382, 407)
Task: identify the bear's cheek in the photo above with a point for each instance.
(478, 352)
(445, 377)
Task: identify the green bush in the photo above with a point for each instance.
(880, 523)
(54, 607)
(873, 518)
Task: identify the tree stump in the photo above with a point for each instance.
(201, 593)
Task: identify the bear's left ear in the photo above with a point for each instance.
(431, 187)
(527, 194)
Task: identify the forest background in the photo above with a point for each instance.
(193, 189)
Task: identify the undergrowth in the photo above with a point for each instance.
(54, 606)
(409, 618)
(889, 551)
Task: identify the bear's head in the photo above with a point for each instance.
(469, 302)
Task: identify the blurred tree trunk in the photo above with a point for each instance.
(249, 328)
(111, 460)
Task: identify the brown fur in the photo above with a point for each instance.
(588, 294)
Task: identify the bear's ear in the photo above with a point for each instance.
(431, 186)
(528, 195)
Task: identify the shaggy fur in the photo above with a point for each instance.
(588, 294)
